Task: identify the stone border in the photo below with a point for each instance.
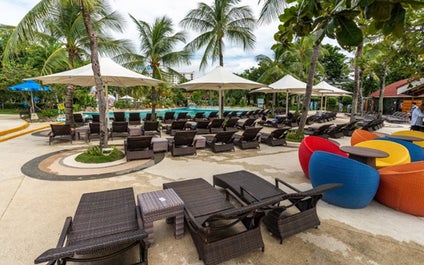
(31, 169)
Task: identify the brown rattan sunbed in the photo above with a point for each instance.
(105, 224)
(296, 211)
(220, 230)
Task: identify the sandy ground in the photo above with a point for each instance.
(32, 211)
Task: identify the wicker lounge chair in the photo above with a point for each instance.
(150, 128)
(169, 117)
(216, 125)
(199, 116)
(138, 147)
(78, 119)
(95, 118)
(119, 116)
(119, 128)
(104, 221)
(249, 139)
(276, 137)
(202, 127)
(182, 116)
(231, 124)
(175, 126)
(183, 143)
(220, 231)
(296, 211)
(319, 131)
(134, 118)
(221, 142)
(212, 115)
(250, 122)
(60, 131)
(94, 130)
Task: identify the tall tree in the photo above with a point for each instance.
(157, 46)
(61, 23)
(224, 19)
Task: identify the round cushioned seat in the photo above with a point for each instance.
(414, 134)
(398, 154)
(402, 188)
(313, 143)
(359, 135)
(360, 181)
(416, 152)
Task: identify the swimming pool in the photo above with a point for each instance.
(161, 112)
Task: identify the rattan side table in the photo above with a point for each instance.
(161, 204)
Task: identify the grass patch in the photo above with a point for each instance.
(96, 155)
(293, 136)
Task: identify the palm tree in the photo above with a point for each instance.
(223, 19)
(61, 24)
(157, 44)
(270, 10)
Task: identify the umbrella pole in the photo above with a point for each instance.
(287, 102)
(221, 107)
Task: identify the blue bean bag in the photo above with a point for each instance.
(360, 181)
(416, 152)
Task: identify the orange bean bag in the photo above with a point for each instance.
(359, 135)
(402, 187)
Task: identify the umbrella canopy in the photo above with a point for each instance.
(220, 79)
(112, 73)
(324, 89)
(30, 86)
(127, 97)
(287, 84)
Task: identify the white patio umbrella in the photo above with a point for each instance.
(220, 79)
(324, 89)
(112, 74)
(287, 84)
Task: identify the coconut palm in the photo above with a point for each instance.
(270, 10)
(223, 19)
(61, 24)
(157, 50)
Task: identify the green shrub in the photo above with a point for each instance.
(49, 113)
(95, 154)
(293, 136)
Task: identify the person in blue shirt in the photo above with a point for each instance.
(417, 118)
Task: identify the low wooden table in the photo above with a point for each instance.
(161, 204)
(364, 154)
(82, 130)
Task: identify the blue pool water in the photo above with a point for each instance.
(161, 112)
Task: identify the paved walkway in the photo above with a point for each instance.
(32, 211)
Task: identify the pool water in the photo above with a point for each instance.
(161, 112)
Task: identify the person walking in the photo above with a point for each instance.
(417, 118)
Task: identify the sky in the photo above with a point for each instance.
(235, 59)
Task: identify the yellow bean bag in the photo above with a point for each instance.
(414, 134)
(398, 154)
(359, 135)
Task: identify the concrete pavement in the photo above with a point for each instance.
(32, 211)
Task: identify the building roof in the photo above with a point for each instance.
(391, 90)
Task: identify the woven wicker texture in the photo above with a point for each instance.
(311, 144)
(360, 181)
(398, 154)
(206, 206)
(359, 135)
(402, 187)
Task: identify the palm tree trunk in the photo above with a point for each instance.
(309, 85)
(154, 101)
(381, 95)
(356, 87)
(97, 76)
(68, 105)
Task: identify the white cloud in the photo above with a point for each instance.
(235, 59)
